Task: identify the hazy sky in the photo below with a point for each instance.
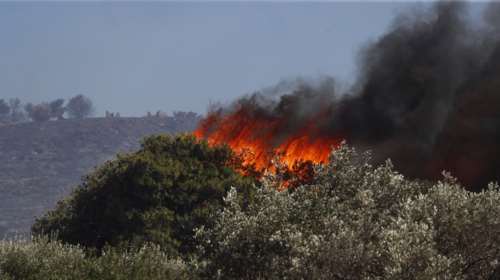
(139, 57)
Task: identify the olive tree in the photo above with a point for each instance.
(356, 221)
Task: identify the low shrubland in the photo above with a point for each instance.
(50, 260)
(178, 209)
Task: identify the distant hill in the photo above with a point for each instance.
(41, 163)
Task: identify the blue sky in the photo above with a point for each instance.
(139, 57)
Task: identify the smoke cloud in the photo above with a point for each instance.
(428, 97)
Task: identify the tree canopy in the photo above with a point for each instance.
(79, 107)
(39, 112)
(158, 194)
(57, 109)
(357, 221)
(4, 108)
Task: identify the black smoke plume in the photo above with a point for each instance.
(428, 97)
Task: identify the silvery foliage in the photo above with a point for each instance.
(356, 221)
(40, 258)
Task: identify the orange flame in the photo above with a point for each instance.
(258, 138)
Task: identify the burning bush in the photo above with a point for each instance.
(260, 128)
(426, 97)
(357, 221)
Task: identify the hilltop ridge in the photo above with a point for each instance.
(41, 163)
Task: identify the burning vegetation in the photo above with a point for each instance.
(261, 129)
(427, 96)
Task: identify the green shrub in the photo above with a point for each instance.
(41, 259)
(356, 221)
(158, 195)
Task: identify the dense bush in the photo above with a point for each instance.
(158, 194)
(356, 221)
(41, 259)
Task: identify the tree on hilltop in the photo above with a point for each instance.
(57, 109)
(16, 111)
(39, 112)
(4, 109)
(80, 107)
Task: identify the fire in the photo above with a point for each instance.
(259, 138)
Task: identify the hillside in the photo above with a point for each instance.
(40, 163)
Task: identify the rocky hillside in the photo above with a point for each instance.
(41, 163)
